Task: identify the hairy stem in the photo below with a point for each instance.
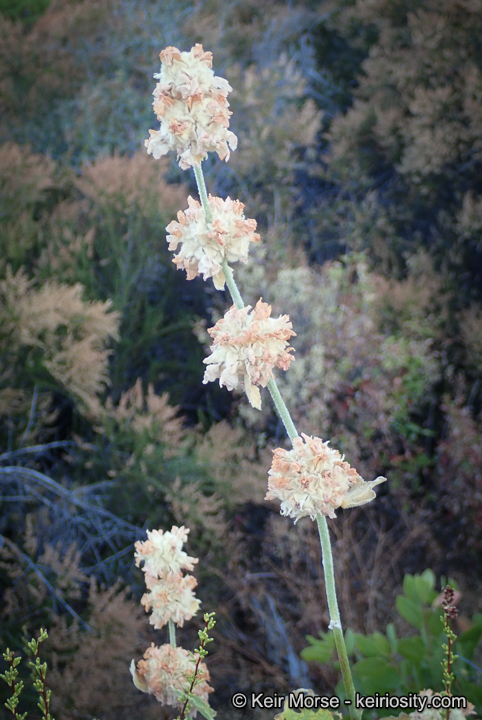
(201, 186)
(283, 411)
(172, 633)
(232, 287)
(335, 620)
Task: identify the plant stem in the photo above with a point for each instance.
(201, 187)
(335, 620)
(172, 633)
(283, 412)
(232, 287)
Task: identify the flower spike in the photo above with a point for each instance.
(191, 105)
(171, 598)
(162, 552)
(205, 245)
(246, 348)
(162, 673)
(313, 479)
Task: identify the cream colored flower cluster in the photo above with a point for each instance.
(163, 671)
(170, 593)
(313, 479)
(205, 245)
(162, 552)
(191, 105)
(171, 598)
(246, 348)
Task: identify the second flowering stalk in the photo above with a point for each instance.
(165, 671)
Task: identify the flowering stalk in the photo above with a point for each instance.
(40, 671)
(190, 698)
(10, 678)
(165, 670)
(450, 613)
(283, 412)
(312, 478)
(280, 405)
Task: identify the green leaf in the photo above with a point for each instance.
(350, 641)
(435, 667)
(203, 707)
(409, 587)
(435, 621)
(381, 643)
(470, 639)
(429, 575)
(410, 610)
(321, 650)
(317, 653)
(370, 667)
(423, 589)
(419, 588)
(413, 649)
(372, 645)
(365, 645)
(376, 675)
(392, 637)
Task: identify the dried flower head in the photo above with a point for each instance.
(246, 348)
(163, 671)
(190, 103)
(162, 552)
(171, 598)
(205, 245)
(313, 479)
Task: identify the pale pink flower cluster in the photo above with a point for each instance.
(171, 598)
(191, 105)
(205, 245)
(170, 593)
(162, 552)
(163, 671)
(313, 479)
(246, 348)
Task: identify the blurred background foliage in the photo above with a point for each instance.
(360, 152)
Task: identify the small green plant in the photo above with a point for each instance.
(10, 678)
(39, 672)
(189, 699)
(450, 613)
